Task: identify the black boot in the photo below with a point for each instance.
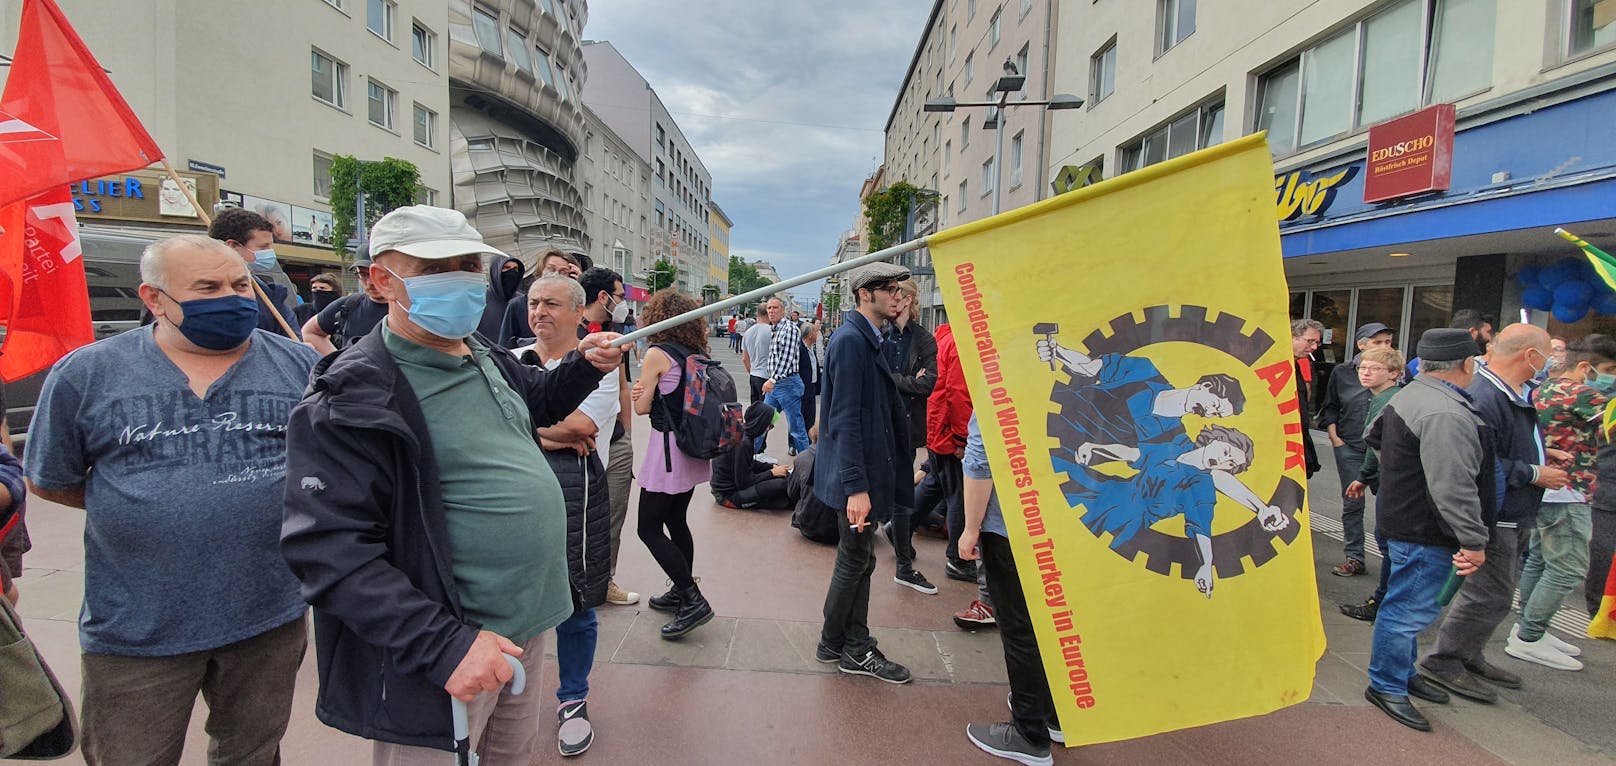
(694, 611)
(668, 602)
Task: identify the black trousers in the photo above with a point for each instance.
(1031, 706)
(665, 530)
(768, 494)
(944, 484)
(757, 389)
(847, 602)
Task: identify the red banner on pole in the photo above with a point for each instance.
(45, 305)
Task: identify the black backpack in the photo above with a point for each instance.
(708, 419)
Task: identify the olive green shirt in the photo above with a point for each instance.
(506, 516)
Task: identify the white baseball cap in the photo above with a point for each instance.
(423, 231)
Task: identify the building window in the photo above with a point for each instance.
(1196, 129)
(541, 63)
(962, 190)
(936, 132)
(322, 175)
(337, 4)
(1175, 19)
(562, 82)
(1412, 53)
(379, 18)
(953, 42)
(1026, 7)
(516, 42)
(382, 102)
(330, 79)
(948, 150)
(987, 176)
(969, 58)
(970, 9)
(426, 126)
(1593, 25)
(993, 30)
(661, 139)
(480, 144)
(965, 132)
(1103, 73)
(486, 26)
(1021, 68)
(421, 43)
(1015, 160)
(425, 195)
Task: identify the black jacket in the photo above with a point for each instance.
(739, 468)
(861, 442)
(1346, 403)
(514, 331)
(502, 288)
(1517, 443)
(1436, 468)
(1604, 498)
(589, 524)
(918, 349)
(1303, 399)
(365, 534)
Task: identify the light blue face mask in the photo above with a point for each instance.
(1605, 382)
(264, 260)
(448, 305)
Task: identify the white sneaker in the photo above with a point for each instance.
(1540, 652)
(1566, 647)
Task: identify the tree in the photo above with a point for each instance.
(663, 275)
(888, 211)
(744, 277)
(387, 184)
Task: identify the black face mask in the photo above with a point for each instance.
(323, 298)
(510, 279)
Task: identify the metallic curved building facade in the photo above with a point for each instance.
(516, 77)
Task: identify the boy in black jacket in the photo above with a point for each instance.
(740, 480)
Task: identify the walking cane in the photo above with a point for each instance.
(462, 726)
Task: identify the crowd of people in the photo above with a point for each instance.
(1485, 455)
(441, 463)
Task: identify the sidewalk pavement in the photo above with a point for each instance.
(745, 688)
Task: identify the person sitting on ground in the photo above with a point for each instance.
(740, 480)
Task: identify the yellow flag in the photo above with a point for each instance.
(1126, 347)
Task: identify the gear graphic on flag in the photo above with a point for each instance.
(1124, 336)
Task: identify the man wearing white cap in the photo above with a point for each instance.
(421, 516)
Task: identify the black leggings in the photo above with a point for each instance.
(674, 550)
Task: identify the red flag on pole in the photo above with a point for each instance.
(61, 119)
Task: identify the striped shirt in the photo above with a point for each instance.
(783, 350)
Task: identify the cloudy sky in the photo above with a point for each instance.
(783, 101)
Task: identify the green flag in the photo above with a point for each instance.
(1604, 263)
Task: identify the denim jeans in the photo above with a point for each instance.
(1557, 565)
(1348, 462)
(575, 654)
(1418, 572)
(786, 398)
(847, 602)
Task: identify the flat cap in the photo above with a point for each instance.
(1370, 330)
(877, 273)
(1447, 344)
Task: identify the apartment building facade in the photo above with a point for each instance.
(1532, 91)
(617, 200)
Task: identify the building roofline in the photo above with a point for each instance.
(713, 206)
(925, 34)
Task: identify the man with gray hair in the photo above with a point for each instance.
(1306, 336)
(181, 477)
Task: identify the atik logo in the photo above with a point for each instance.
(14, 130)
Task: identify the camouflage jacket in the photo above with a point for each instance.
(1570, 413)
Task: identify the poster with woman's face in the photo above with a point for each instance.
(172, 201)
(279, 215)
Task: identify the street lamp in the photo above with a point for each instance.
(1011, 82)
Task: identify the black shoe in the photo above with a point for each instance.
(1497, 675)
(573, 732)
(1365, 611)
(694, 611)
(1463, 683)
(873, 663)
(826, 654)
(1420, 686)
(668, 602)
(964, 571)
(916, 580)
(1399, 708)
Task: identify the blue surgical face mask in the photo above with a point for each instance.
(1604, 381)
(263, 260)
(218, 324)
(448, 305)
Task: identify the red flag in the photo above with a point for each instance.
(819, 313)
(46, 306)
(61, 119)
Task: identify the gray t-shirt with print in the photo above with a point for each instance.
(183, 495)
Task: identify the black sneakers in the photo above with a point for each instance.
(1005, 740)
(1365, 611)
(826, 654)
(873, 663)
(915, 580)
(573, 734)
(964, 571)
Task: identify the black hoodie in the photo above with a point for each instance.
(501, 288)
(738, 469)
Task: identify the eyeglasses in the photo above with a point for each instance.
(1373, 368)
(888, 289)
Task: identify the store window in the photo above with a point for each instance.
(1333, 309)
(1378, 304)
(1409, 54)
(1432, 307)
(1196, 129)
(1593, 25)
(1175, 21)
(1103, 73)
(486, 27)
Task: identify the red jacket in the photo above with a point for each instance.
(948, 409)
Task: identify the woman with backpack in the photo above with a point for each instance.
(668, 476)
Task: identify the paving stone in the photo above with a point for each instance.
(50, 594)
(705, 647)
(974, 657)
(1341, 679)
(916, 650)
(767, 646)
